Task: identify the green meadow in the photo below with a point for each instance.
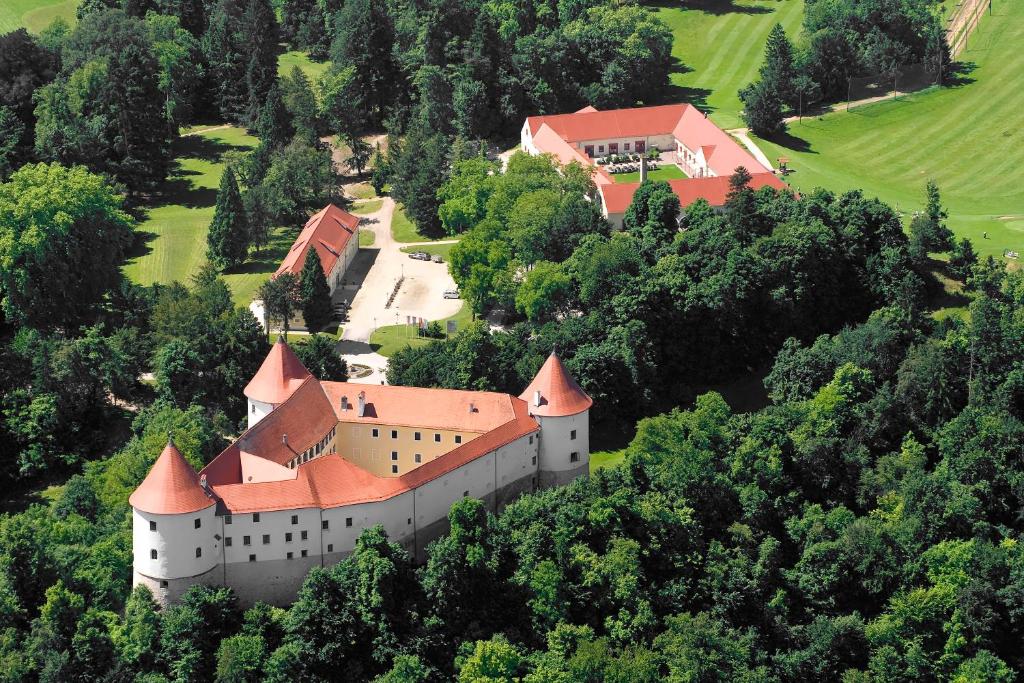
(35, 15)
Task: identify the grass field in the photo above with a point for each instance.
(363, 207)
(666, 172)
(599, 459)
(386, 340)
(968, 138)
(286, 61)
(367, 238)
(35, 15)
(442, 249)
(403, 229)
(172, 238)
(720, 44)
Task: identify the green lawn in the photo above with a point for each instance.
(289, 60)
(443, 249)
(386, 340)
(35, 15)
(367, 237)
(599, 459)
(367, 206)
(969, 139)
(720, 44)
(361, 190)
(666, 172)
(172, 237)
(404, 230)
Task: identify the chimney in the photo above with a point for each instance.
(284, 439)
(344, 403)
(643, 167)
(536, 398)
(362, 403)
(204, 484)
(472, 407)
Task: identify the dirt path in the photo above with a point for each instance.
(207, 130)
(741, 135)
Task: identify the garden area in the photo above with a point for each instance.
(391, 338)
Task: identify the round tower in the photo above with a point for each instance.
(562, 409)
(175, 535)
(281, 374)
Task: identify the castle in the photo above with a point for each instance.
(321, 461)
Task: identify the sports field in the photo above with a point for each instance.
(35, 15)
(172, 238)
(969, 138)
(720, 44)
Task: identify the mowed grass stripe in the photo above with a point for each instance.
(35, 15)
(969, 139)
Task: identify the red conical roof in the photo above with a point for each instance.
(281, 374)
(171, 487)
(559, 394)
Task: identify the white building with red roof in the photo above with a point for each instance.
(688, 139)
(322, 461)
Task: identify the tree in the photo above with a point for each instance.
(762, 109)
(240, 659)
(778, 73)
(181, 67)
(963, 259)
(320, 356)
(301, 104)
(301, 179)
(943, 236)
(258, 32)
(544, 291)
(227, 242)
(416, 171)
(360, 153)
(281, 298)
(47, 214)
(193, 629)
(364, 40)
(25, 66)
(380, 175)
(492, 660)
(314, 293)
(273, 124)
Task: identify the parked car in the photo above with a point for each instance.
(420, 255)
(451, 294)
(436, 258)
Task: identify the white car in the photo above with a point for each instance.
(451, 294)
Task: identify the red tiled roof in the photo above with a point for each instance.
(722, 153)
(421, 407)
(619, 196)
(280, 374)
(171, 487)
(304, 417)
(560, 395)
(330, 480)
(614, 123)
(328, 231)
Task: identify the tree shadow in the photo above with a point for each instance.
(673, 92)
(959, 74)
(715, 7)
(140, 244)
(791, 142)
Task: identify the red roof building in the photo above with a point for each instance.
(554, 393)
(329, 231)
(172, 487)
(280, 375)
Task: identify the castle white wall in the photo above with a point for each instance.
(345, 259)
(558, 445)
(175, 540)
(258, 410)
(275, 526)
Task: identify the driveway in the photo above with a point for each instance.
(370, 281)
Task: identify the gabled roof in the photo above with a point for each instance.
(281, 374)
(614, 123)
(560, 395)
(619, 196)
(295, 425)
(722, 153)
(328, 231)
(171, 487)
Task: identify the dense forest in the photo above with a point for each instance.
(862, 527)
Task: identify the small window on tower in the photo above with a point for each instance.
(416, 436)
(266, 539)
(253, 408)
(572, 435)
(330, 547)
(198, 522)
(305, 553)
(252, 558)
(394, 455)
(376, 432)
(348, 521)
(295, 519)
(305, 535)
(574, 457)
(255, 516)
(199, 552)
(152, 525)
(152, 554)
(324, 524)
(227, 519)
(419, 457)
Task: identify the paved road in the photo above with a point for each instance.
(369, 283)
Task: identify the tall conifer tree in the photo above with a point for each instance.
(228, 239)
(314, 293)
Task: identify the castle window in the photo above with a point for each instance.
(324, 524)
(246, 540)
(266, 539)
(295, 519)
(533, 460)
(305, 535)
(305, 552)
(348, 521)
(288, 537)
(253, 408)
(394, 433)
(227, 541)
(574, 457)
(408, 520)
(394, 469)
(330, 547)
(458, 438)
(290, 555)
(255, 516)
(419, 457)
(572, 435)
(437, 438)
(152, 554)
(163, 584)
(252, 558)
(531, 438)
(375, 432)
(152, 525)
(198, 522)
(416, 436)
(394, 455)
(227, 519)
(465, 494)
(199, 552)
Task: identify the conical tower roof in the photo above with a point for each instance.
(281, 374)
(171, 487)
(560, 395)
